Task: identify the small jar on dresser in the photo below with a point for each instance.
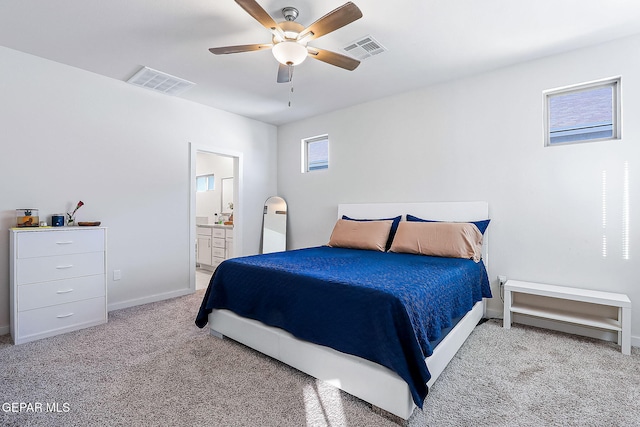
(58, 280)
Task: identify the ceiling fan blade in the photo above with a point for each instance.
(338, 18)
(337, 59)
(240, 48)
(258, 13)
(285, 73)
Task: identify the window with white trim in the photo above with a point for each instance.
(583, 113)
(205, 183)
(315, 153)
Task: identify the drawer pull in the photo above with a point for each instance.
(65, 292)
(61, 267)
(68, 242)
(62, 316)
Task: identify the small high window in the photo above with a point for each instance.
(583, 113)
(205, 183)
(315, 153)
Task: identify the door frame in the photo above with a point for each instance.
(238, 201)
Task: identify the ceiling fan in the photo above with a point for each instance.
(289, 41)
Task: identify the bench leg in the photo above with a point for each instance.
(626, 331)
(506, 322)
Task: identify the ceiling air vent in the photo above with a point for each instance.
(364, 48)
(159, 81)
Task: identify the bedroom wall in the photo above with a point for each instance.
(481, 138)
(70, 135)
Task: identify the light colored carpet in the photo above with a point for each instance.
(151, 366)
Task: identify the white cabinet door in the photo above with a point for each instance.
(204, 250)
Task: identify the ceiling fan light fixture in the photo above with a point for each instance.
(289, 38)
(289, 52)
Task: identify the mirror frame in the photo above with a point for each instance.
(274, 226)
(226, 195)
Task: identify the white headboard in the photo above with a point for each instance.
(438, 211)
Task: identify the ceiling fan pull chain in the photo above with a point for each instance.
(290, 81)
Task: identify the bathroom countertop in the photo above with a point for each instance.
(214, 225)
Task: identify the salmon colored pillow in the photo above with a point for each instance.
(445, 239)
(370, 235)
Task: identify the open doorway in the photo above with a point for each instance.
(216, 194)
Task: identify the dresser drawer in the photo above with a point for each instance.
(203, 231)
(44, 269)
(218, 252)
(219, 243)
(218, 232)
(229, 234)
(47, 321)
(37, 243)
(38, 295)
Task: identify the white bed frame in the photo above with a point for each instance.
(364, 379)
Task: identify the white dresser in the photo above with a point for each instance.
(215, 244)
(58, 280)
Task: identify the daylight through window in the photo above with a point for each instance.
(583, 113)
(205, 183)
(315, 153)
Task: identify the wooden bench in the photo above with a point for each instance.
(621, 325)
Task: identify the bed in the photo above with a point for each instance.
(382, 363)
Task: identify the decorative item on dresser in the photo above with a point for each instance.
(27, 217)
(58, 281)
(71, 217)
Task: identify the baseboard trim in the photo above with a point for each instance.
(148, 299)
(6, 329)
(493, 314)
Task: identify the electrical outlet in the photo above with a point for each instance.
(502, 280)
(117, 274)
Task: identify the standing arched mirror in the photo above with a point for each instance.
(274, 225)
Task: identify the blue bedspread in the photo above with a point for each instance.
(381, 306)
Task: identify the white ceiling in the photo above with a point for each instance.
(427, 41)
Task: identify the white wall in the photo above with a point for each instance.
(208, 203)
(481, 138)
(70, 135)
